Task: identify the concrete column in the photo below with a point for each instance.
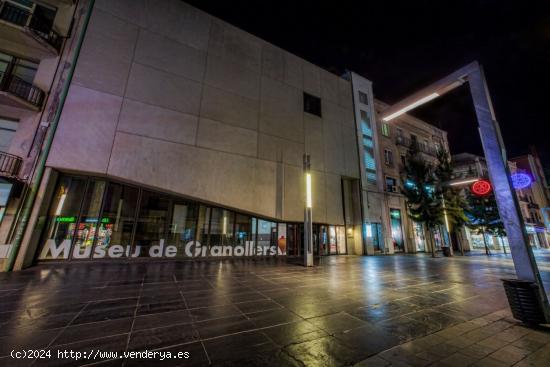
(508, 206)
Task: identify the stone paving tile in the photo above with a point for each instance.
(366, 311)
(457, 360)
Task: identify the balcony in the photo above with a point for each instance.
(28, 31)
(19, 93)
(9, 165)
(406, 142)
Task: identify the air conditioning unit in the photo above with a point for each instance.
(395, 189)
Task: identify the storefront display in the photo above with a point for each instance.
(92, 218)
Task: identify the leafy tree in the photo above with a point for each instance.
(424, 200)
(484, 217)
(453, 202)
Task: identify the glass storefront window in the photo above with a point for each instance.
(221, 227)
(62, 218)
(243, 229)
(151, 225)
(117, 221)
(89, 218)
(267, 237)
(322, 238)
(332, 240)
(282, 238)
(96, 218)
(203, 225)
(341, 239)
(183, 225)
(419, 238)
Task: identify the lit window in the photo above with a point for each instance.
(385, 129)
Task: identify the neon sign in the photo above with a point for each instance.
(521, 180)
(481, 187)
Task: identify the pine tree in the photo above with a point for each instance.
(424, 201)
(454, 203)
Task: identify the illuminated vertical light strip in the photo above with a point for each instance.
(463, 182)
(224, 229)
(308, 190)
(60, 205)
(411, 106)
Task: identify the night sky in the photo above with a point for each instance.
(404, 45)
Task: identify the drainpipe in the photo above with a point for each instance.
(35, 184)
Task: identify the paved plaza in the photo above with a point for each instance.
(402, 310)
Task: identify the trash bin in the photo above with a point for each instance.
(523, 297)
(446, 251)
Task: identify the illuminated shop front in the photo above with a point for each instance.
(92, 218)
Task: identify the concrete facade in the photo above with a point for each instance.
(169, 97)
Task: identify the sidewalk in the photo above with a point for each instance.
(494, 340)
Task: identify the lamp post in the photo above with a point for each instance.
(308, 219)
(495, 155)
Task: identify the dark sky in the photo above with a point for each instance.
(404, 45)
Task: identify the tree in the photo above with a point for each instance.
(424, 201)
(453, 202)
(483, 217)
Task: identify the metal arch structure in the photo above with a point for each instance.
(495, 155)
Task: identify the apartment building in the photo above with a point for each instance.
(382, 148)
(33, 37)
(534, 198)
(531, 192)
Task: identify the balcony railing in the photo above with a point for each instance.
(37, 24)
(406, 142)
(13, 84)
(9, 165)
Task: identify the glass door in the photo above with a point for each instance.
(396, 230)
(341, 239)
(419, 238)
(333, 248)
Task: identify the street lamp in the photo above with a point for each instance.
(308, 219)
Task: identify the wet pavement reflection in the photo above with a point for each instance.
(246, 312)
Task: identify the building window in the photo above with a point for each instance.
(62, 218)
(363, 98)
(391, 184)
(388, 157)
(312, 104)
(385, 129)
(152, 224)
(414, 139)
(117, 221)
(403, 159)
(368, 148)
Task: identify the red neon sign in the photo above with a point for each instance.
(481, 187)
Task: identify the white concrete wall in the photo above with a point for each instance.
(169, 97)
